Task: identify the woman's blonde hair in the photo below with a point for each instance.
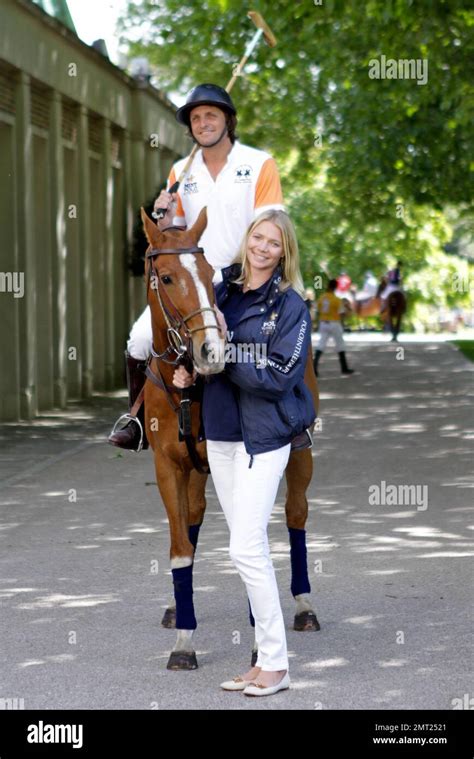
(290, 263)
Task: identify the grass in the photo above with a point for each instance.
(466, 347)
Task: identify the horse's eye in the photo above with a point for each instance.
(166, 279)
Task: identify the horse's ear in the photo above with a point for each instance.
(199, 225)
(149, 227)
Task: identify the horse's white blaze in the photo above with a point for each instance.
(184, 641)
(184, 285)
(181, 561)
(211, 335)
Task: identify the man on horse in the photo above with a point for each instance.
(234, 181)
(393, 281)
(343, 287)
(369, 287)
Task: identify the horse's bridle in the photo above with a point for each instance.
(179, 344)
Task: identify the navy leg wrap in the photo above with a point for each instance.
(251, 617)
(183, 593)
(299, 563)
(194, 534)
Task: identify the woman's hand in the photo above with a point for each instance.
(182, 378)
(221, 322)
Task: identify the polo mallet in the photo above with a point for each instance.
(263, 30)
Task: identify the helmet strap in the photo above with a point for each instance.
(221, 137)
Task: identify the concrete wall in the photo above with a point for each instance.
(75, 165)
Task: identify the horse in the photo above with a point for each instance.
(395, 307)
(185, 331)
(390, 309)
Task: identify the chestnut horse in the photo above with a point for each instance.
(185, 331)
(391, 311)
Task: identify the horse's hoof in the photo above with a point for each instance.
(306, 621)
(253, 660)
(182, 660)
(169, 619)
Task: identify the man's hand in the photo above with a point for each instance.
(182, 378)
(168, 201)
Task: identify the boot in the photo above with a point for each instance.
(344, 368)
(317, 356)
(129, 436)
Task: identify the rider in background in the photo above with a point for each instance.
(343, 287)
(394, 281)
(395, 275)
(330, 309)
(369, 287)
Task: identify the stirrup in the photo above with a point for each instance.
(130, 418)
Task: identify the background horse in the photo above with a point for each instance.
(181, 298)
(396, 305)
(390, 309)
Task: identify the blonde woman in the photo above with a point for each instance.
(251, 412)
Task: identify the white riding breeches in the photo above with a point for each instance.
(330, 329)
(141, 337)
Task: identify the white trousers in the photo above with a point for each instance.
(331, 329)
(141, 337)
(247, 496)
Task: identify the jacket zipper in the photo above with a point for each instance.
(242, 426)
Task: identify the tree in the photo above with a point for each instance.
(369, 164)
(379, 133)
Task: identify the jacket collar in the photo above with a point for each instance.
(270, 291)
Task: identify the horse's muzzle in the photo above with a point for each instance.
(209, 358)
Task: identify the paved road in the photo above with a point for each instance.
(392, 584)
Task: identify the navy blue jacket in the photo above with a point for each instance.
(274, 403)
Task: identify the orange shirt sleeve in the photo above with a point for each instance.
(179, 213)
(268, 190)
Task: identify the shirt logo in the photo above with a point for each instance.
(269, 327)
(243, 173)
(190, 187)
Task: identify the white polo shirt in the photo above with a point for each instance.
(248, 184)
